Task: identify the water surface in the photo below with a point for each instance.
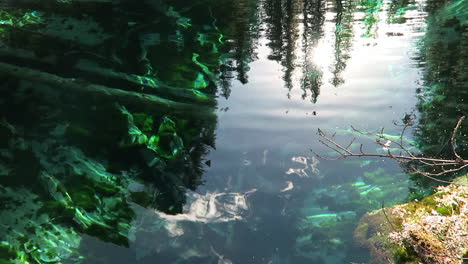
(186, 133)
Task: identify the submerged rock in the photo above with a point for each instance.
(434, 230)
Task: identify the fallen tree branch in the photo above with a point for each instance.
(406, 156)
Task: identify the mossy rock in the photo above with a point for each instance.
(428, 231)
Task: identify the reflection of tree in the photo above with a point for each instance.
(440, 135)
(72, 135)
(343, 38)
(371, 17)
(313, 18)
(290, 36)
(396, 11)
(243, 31)
(443, 97)
(283, 31)
(274, 30)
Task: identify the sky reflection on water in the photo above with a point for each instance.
(252, 191)
(269, 123)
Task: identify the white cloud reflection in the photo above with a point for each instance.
(310, 167)
(210, 208)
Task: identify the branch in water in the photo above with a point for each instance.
(405, 155)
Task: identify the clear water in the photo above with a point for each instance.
(267, 128)
(258, 194)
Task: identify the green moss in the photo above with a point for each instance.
(448, 210)
(444, 210)
(412, 207)
(429, 201)
(361, 234)
(402, 256)
(430, 204)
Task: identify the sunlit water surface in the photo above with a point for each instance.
(267, 198)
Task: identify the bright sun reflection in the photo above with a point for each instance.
(340, 63)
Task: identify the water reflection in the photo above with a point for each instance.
(443, 94)
(128, 165)
(309, 167)
(293, 29)
(343, 39)
(313, 40)
(243, 41)
(107, 107)
(212, 207)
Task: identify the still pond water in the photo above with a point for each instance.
(303, 209)
(120, 181)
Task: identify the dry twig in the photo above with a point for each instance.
(405, 155)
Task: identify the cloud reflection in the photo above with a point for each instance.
(309, 170)
(211, 207)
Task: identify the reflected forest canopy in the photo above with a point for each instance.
(110, 106)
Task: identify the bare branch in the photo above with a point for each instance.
(350, 143)
(386, 217)
(405, 156)
(452, 140)
(326, 158)
(334, 143)
(403, 133)
(429, 175)
(361, 132)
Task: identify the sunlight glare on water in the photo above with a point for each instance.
(191, 132)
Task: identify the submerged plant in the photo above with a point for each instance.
(164, 142)
(37, 238)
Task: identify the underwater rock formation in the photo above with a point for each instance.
(433, 230)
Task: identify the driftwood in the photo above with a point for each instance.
(142, 101)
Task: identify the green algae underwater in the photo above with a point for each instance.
(175, 132)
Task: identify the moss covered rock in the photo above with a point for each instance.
(433, 230)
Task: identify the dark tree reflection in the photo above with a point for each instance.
(343, 38)
(313, 19)
(104, 105)
(293, 30)
(443, 95)
(243, 32)
(282, 32)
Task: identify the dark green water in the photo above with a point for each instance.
(184, 131)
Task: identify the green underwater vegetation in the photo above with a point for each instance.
(76, 177)
(37, 238)
(441, 100)
(330, 213)
(108, 113)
